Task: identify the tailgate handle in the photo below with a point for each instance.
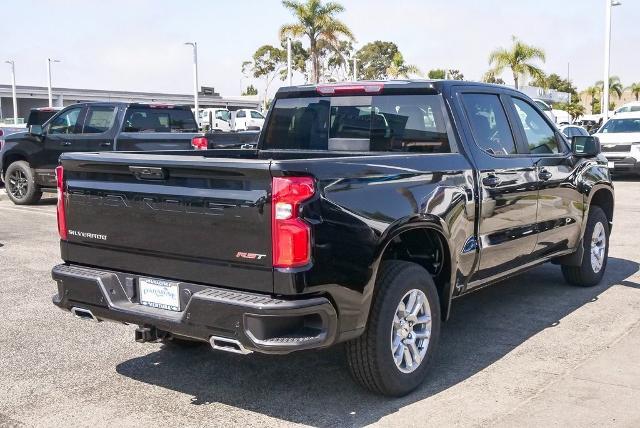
(148, 173)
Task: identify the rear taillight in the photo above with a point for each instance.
(62, 215)
(200, 143)
(291, 235)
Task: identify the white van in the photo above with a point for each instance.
(247, 119)
(215, 119)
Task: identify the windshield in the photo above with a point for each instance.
(621, 125)
(223, 115)
(404, 123)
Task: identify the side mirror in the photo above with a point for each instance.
(36, 130)
(582, 145)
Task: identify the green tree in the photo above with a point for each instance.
(267, 62)
(318, 23)
(554, 81)
(251, 90)
(575, 110)
(455, 74)
(635, 90)
(438, 73)
(339, 61)
(593, 92)
(375, 58)
(518, 58)
(615, 87)
(490, 77)
(399, 68)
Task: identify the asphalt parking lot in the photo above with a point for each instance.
(530, 351)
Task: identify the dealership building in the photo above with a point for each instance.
(29, 97)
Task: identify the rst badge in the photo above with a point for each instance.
(250, 256)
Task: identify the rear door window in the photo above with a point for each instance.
(161, 119)
(256, 115)
(382, 123)
(99, 119)
(489, 124)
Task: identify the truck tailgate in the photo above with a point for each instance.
(191, 218)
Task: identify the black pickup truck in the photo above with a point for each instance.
(365, 211)
(28, 159)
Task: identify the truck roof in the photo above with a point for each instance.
(372, 87)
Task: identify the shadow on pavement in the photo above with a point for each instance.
(315, 387)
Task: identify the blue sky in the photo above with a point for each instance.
(138, 45)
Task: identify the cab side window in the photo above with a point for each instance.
(241, 114)
(541, 137)
(99, 120)
(489, 124)
(66, 123)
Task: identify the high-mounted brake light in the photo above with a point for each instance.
(200, 143)
(350, 89)
(290, 234)
(62, 215)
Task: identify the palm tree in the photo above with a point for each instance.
(318, 22)
(592, 91)
(517, 58)
(614, 85)
(635, 89)
(575, 110)
(399, 68)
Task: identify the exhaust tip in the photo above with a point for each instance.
(84, 314)
(228, 345)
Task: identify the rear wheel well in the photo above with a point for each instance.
(604, 199)
(429, 249)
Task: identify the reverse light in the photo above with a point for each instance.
(62, 215)
(199, 143)
(350, 89)
(290, 234)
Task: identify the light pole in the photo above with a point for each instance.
(607, 48)
(195, 80)
(289, 73)
(49, 61)
(13, 91)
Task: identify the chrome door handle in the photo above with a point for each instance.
(65, 143)
(491, 180)
(544, 174)
(105, 144)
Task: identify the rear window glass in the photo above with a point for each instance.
(402, 123)
(39, 117)
(147, 119)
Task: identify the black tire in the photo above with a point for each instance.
(370, 357)
(586, 275)
(20, 184)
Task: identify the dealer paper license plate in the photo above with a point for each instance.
(159, 294)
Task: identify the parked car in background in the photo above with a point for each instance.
(562, 117)
(628, 107)
(215, 119)
(620, 140)
(546, 108)
(247, 120)
(366, 210)
(28, 159)
(571, 131)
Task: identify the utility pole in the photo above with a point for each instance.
(604, 108)
(49, 61)
(195, 81)
(13, 91)
(289, 71)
